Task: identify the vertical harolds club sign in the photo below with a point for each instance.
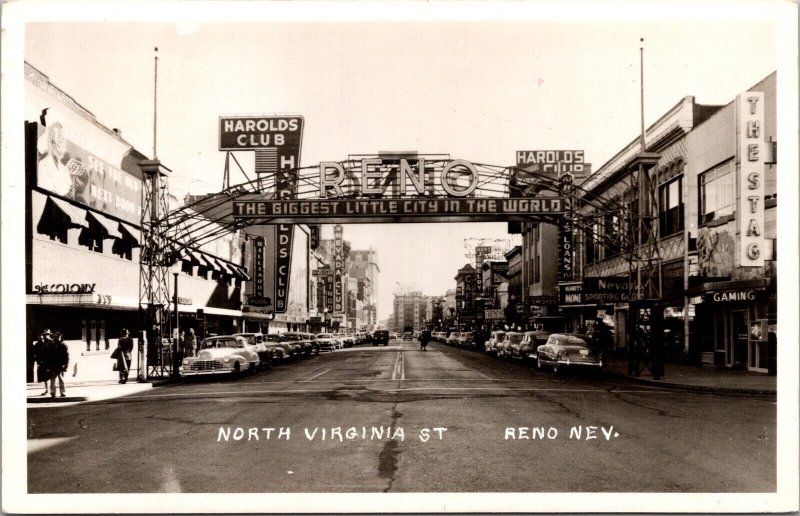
(276, 141)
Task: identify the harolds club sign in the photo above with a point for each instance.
(276, 141)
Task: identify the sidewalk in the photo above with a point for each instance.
(80, 392)
(700, 379)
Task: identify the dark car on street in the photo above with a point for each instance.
(564, 350)
(380, 337)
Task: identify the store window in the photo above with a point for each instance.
(670, 202)
(717, 192)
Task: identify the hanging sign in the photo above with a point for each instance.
(752, 153)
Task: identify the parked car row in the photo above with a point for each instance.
(240, 352)
(555, 351)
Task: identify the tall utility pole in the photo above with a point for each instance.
(154, 261)
(645, 313)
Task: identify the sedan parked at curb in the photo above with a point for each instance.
(504, 347)
(225, 354)
(528, 346)
(257, 340)
(496, 338)
(281, 350)
(564, 350)
(326, 342)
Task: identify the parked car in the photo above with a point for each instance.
(225, 354)
(495, 338)
(296, 343)
(380, 337)
(281, 350)
(567, 350)
(452, 339)
(326, 342)
(256, 340)
(531, 340)
(306, 346)
(504, 347)
(465, 339)
(309, 337)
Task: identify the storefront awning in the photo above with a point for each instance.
(210, 310)
(111, 227)
(725, 286)
(134, 233)
(225, 268)
(76, 216)
(239, 270)
(93, 299)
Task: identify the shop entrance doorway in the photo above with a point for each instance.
(737, 344)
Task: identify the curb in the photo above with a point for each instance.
(696, 388)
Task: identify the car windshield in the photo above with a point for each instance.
(575, 341)
(293, 335)
(251, 339)
(514, 337)
(324, 336)
(275, 338)
(220, 343)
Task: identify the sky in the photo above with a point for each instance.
(477, 89)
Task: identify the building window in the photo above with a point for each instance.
(613, 228)
(716, 192)
(594, 246)
(670, 202)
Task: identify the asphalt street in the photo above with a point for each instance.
(398, 419)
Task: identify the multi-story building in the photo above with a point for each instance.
(411, 309)
(713, 236)
(83, 235)
(362, 265)
(493, 274)
(730, 228)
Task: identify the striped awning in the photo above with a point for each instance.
(76, 216)
(225, 268)
(131, 231)
(111, 227)
(241, 272)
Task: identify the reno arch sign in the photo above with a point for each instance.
(400, 188)
(411, 178)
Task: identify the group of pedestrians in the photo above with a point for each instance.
(52, 358)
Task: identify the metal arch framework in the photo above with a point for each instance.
(202, 219)
(205, 218)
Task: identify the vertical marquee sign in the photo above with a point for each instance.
(258, 299)
(276, 142)
(751, 152)
(566, 270)
(338, 270)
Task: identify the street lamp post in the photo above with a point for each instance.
(176, 341)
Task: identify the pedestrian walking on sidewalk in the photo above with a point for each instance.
(188, 343)
(123, 355)
(56, 360)
(39, 349)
